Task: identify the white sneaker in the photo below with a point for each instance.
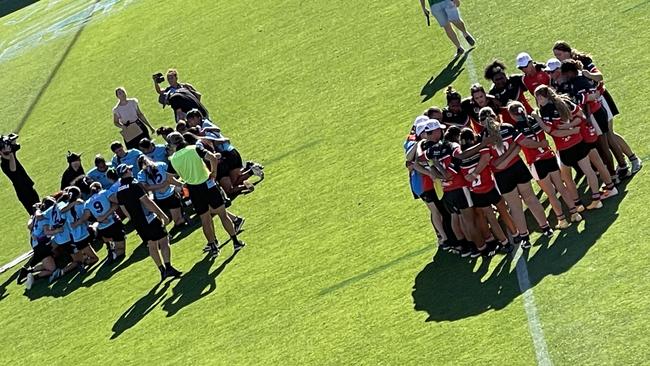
(257, 171)
(607, 193)
(30, 281)
(576, 217)
(637, 164)
(580, 208)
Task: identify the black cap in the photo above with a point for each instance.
(72, 156)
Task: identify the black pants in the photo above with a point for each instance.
(28, 196)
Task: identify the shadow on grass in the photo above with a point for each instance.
(449, 289)
(196, 284)
(9, 6)
(73, 281)
(445, 78)
(3, 286)
(134, 314)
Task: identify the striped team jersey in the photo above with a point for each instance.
(484, 182)
(551, 117)
(530, 129)
(508, 134)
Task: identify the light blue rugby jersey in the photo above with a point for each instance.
(54, 217)
(38, 231)
(161, 176)
(98, 204)
(100, 177)
(159, 153)
(80, 232)
(131, 158)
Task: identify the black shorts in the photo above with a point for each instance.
(429, 196)
(169, 203)
(458, 199)
(486, 199)
(508, 179)
(80, 245)
(152, 231)
(602, 119)
(114, 232)
(203, 197)
(609, 104)
(542, 168)
(571, 156)
(229, 160)
(41, 252)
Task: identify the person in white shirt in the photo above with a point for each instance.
(129, 118)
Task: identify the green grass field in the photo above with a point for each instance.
(339, 266)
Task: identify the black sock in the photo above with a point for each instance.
(633, 157)
(161, 268)
(234, 239)
(168, 265)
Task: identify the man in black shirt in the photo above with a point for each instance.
(148, 219)
(74, 170)
(23, 184)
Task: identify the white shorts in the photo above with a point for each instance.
(445, 12)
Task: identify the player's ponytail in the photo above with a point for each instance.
(559, 101)
(492, 125)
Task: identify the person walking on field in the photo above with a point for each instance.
(446, 13)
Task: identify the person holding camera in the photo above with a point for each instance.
(172, 79)
(13, 169)
(129, 118)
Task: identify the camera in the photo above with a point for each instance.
(9, 140)
(158, 78)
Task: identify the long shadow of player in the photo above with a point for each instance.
(449, 288)
(445, 78)
(136, 312)
(197, 283)
(73, 281)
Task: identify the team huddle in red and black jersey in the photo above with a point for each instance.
(464, 159)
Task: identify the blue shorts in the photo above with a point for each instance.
(445, 12)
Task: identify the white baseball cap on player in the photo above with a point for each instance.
(552, 64)
(523, 59)
(428, 125)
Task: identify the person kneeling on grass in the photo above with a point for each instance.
(148, 219)
(204, 192)
(42, 261)
(83, 255)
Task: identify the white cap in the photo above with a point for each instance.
(523, 59)
(427, 125)
(420, 119)
(552, 64)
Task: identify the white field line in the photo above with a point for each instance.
(16, 261)
(534, 324)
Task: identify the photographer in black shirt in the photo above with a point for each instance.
(13, 169)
